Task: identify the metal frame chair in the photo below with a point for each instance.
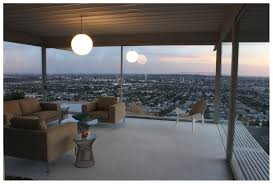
(195, 114)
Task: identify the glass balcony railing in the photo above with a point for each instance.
(149, 95)
(156, 98)
(159, 95)
(251, 133)
(20, 86)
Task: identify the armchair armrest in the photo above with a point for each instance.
(42, 145)
(25, 143)
(7, 118)
(117, 112)
(47, 106)
(87, 107)
(28, 122)
(60, 139)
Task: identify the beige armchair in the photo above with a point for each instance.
(26, 131)
(29, 137)
(106, 109)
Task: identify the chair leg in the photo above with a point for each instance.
(114, 125)
(124, 120)
(176, 121)
(47, 165)
(75, 151)
(193, 125)
(203, 120)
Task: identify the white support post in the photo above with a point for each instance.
(217, 83)
(44, 75)
(121, 73)
(233, 90)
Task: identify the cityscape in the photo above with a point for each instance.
(156, 95)
(136, 91)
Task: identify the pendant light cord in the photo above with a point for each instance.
(81, 23)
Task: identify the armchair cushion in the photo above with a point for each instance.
(104, 102)
(47, 106)
(60, 139)
(87, 107)
(99, 114)
(46, 115)
(12, 107)
(28, 122)
(29, 106)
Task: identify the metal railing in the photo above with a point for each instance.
(251, 158)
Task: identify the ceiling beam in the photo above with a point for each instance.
(183, 38)
(245, 36)
(22, 37)
(188, 38)
(232, 13)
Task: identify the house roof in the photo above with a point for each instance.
(54, 25)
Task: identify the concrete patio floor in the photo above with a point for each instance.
(140, 149)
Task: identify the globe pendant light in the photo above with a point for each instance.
(142, 59)
(81, 44)
(132, 56)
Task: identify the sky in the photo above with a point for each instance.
(25, 59)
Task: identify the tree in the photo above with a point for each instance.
(14, 95)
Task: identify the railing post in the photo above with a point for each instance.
(217, 83)
(44, 77)
(233, 90)
(121, 73)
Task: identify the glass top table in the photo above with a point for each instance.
(85, 122)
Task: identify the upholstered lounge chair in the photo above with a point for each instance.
(105, 108)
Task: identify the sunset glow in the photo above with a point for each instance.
(253, 60)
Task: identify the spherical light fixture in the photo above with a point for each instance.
(142, 59)
(132, 56)
(81, 44)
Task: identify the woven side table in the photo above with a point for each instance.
(84, 152)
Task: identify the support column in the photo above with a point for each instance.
(44, 77)
(233, 90)
(217, 83)
(121, 73)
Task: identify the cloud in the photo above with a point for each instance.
(253, 59)
(193, 59)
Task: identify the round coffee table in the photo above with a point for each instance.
(84, 152)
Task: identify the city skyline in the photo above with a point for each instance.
(22, 59)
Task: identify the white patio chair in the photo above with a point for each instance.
(195, 114)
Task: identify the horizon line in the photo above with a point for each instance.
(182, 73)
